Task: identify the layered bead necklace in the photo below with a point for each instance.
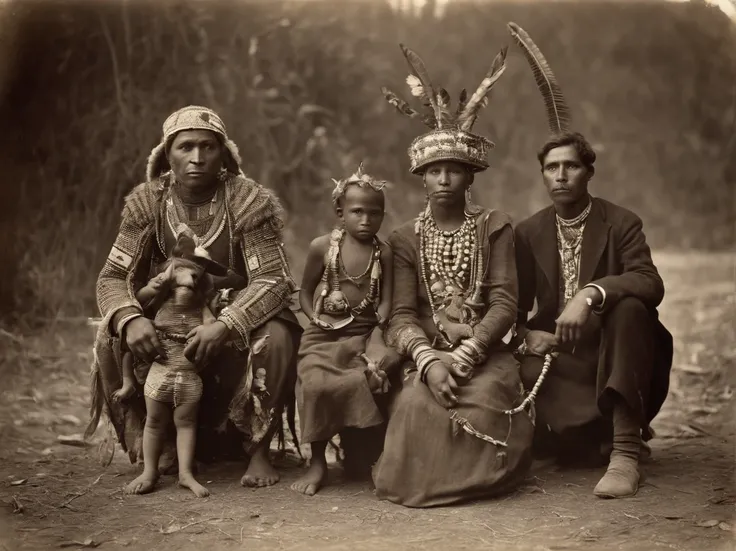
(206, 223)
(570, 243)
(332, 300)
(449, 256)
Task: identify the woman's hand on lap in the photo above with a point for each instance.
(442, 385)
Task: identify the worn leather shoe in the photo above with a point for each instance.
(621, 478)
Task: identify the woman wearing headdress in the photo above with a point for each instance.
(459, 426)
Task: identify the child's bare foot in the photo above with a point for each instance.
(123, 394)
(260, 473)
(141, 485)
(313, 479)
(186, 480)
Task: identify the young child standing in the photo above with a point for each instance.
(173, 381)
(346, 293)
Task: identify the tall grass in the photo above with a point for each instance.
(89, 83)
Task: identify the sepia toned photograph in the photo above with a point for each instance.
(368, 275)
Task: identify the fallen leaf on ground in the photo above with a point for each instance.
(19, 482)
(76, 440)
(85, 543)
(707, 523)
(724, 526)
(171, 529)
(71, 419)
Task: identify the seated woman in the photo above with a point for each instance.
(194, 177)
(458, 427)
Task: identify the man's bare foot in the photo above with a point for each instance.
(186, 480)
(123, 394)
(313, 479)
(141, 485)
(260, 473)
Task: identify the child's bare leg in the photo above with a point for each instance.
(126, 391)
(185, 419)
(316, 475)
(158, 415)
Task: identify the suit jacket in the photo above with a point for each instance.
(615, 256)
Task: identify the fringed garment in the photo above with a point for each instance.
(247, 385)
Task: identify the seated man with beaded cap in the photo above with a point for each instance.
(194, 177)
(586, 263)
(459, 427)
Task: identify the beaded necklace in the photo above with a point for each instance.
(332, 300)
(207, 229)
(450, 257)
(449, 253)
(570, 242)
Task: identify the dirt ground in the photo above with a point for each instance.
(55, 495)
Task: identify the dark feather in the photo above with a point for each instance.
(418, 69)
(400, 105)
(477, 100)
(430, 120)
(445, 118)
(558, 113)
(405, 109)
(462, 101)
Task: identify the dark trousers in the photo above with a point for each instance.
(628, 357)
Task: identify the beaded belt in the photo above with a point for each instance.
(176, 337)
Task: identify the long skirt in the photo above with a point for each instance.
(332, 391)
(429, 459)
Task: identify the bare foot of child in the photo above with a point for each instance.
(260, 473)
(186, 480)
(123, 394)
(313, 479)
(141, 485)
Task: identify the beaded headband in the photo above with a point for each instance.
(451, 138)
(359, 178)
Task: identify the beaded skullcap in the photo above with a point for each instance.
(192, 117)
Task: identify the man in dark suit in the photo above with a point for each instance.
(586, 263)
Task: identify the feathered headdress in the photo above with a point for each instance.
(558, 113)
(451, 138)
(359, 178)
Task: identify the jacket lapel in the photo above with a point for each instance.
(544, 245)
(595, 238)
